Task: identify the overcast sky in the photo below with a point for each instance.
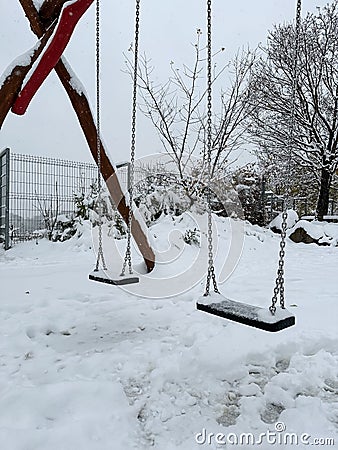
(50, 127)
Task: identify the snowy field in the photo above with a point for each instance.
(92, 367)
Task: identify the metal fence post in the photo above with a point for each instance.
(4, 196)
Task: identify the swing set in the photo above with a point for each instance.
(54, 24)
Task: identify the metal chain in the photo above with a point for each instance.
(280, 282)
(100, 255)
(127, 258)
(211, 268)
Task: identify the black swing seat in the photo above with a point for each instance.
(117, 280)
(253, 316)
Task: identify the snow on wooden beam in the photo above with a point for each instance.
(37, 26)
(70, 16)
(13, 77)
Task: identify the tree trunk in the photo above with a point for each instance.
(324, 194)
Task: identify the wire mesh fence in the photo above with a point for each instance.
(37, 188)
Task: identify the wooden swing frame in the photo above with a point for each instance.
(42, 24)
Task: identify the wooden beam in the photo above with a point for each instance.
(50, 11)
(83, 111)
(10, 88)
(33, 17)
(64, 29)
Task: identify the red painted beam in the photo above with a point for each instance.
(71, 14)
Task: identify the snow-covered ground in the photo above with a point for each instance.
(91, 366)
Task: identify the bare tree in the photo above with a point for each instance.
(230, 125)
(178, 112)
(49, 211)
(315, 143)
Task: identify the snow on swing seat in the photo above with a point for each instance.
(246, 314)
(114, 279)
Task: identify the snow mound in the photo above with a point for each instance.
(276, 224)
(320, 233)
(87, 365)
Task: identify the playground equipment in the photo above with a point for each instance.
(98, 275)
(217, 304)
(54, 24)
(53, 28)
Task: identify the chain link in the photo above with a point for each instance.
(280, 281)
(100, 255)
(127, 258)
(211, 268)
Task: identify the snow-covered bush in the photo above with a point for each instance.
(247, 182)
(61, 227)
(165, 193)
(160, 194)
(88, 204)
(65, 228)
(117, 228)
(88, 208)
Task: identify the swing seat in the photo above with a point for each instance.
(117, 280)
(253, 316)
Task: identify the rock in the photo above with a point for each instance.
(275, 230)
(301, 235)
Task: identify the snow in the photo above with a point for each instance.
(62, 218)
(74, 81)
(38, 59)
(290, 221)
(244, 310)
(324, 232)
(38, 4)
(91, 366)
(21, 61)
